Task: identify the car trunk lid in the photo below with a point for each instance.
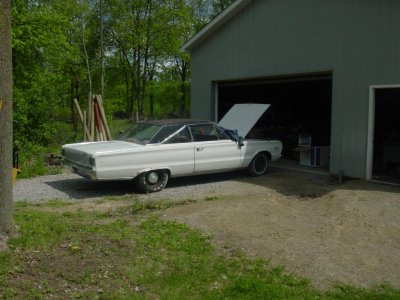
(82, 152)
(103, 147)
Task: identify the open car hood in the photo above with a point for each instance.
(243, 117)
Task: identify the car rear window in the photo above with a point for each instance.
(140, 133)
(164, 133)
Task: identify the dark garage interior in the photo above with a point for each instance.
(386, 159)
(300, 111)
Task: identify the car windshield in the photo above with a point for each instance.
(139, 133)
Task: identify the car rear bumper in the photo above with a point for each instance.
(84, 171)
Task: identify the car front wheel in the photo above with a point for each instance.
(152, 181)
(258, 165)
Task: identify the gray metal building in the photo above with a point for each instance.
(328, 67)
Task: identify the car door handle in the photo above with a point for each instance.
(200, 149)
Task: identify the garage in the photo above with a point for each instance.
(315, 62)
(299, 115)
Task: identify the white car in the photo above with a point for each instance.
(151, 152)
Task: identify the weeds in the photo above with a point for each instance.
(211, 198)
(141, 206)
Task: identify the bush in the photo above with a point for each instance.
(32, 161)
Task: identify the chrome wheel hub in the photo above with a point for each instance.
(152, 177)
(260, 165)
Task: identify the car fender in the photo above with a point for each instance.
(266, 151)
(254, 147)
(152, 169)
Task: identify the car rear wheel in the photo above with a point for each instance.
(259, 165)
(152, 181)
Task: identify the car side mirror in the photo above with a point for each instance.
(241, 141)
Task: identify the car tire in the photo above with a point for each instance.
(259, 165)
(152, 181)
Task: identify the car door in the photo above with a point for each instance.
(178, 152)
(214, 150)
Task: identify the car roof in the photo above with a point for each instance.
(176, 122)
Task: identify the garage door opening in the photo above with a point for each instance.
(299, 116)
(386, 141)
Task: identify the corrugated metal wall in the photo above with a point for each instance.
(357, 40)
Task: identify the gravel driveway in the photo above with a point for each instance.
(71, 187)
(329, 233)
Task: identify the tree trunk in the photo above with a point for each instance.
(133, 115)
(101, 50)
(151, 105)
(127, 95)
(6, 132)
(74, 95)
(145, 71)
(89, 76)
(183, 89)
(151, 78)
(138, 85)
(182, 68)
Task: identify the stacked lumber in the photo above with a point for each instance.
(94, 123)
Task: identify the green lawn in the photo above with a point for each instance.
(66, 251)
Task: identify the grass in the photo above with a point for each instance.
(82, 254)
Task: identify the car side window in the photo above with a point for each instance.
(204, 132)
(222, 134)
(182, 136)
(164, 133)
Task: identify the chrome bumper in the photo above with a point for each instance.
(81, 170)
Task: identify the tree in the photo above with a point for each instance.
(63, 49)
(6, 135)
(219, 5)
(101, 16)
(43, 57)
(141, 34)
(90, 88)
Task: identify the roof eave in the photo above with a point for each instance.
(214, 25)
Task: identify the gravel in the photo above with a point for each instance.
(72, 187)
(61, 186)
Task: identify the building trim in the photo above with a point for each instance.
(214, 25)
(371, 126)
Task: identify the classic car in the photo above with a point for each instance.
(151, 152)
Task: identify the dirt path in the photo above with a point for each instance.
(331, 234)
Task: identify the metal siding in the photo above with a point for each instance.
(358, 40)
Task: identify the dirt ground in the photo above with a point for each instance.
(330, 233)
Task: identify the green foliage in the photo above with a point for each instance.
(167, 96)
(32, 155)
(32, 161)
(145, 72)
(219, 5)
(117, 126)
(36, 109)
(42, 54)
